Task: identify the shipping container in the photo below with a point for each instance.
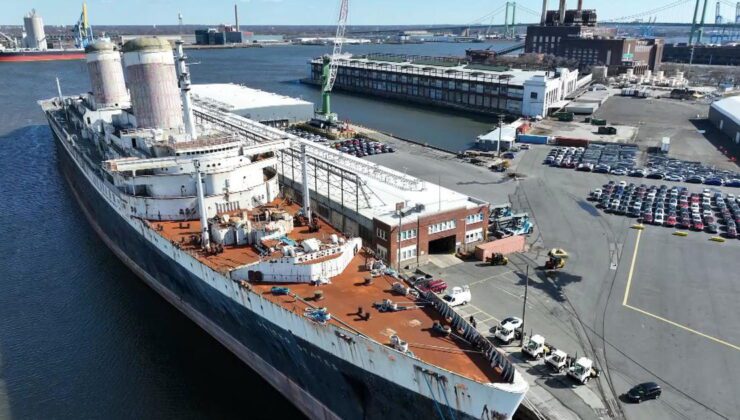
(598, 121)
(532, 139)
(571, 142)
(564, 116)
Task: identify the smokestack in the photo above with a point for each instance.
(236, 17)
(561, 12)
(580, 5)
(543, 19)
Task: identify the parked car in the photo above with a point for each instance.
(645, 391)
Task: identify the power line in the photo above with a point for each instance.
(652, 11)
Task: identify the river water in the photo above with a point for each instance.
(80, 335)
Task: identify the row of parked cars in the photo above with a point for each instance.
(663, 167)
(316, 138)
(361, 147)
(613, 159)
(707, 210)
(622, 160)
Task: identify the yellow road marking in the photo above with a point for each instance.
(685, 328)
(632, 269)
(660, 318)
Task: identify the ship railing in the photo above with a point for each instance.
(472, 335)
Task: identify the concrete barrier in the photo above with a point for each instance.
(505, 246)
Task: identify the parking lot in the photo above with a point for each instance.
(666, 330)
(627, 160)
(707, 210)
(692, 137)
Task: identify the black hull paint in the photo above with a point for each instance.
(296, 367)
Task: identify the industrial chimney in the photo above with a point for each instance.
(236, 17)
(580, 5)
(543, 19)
(106, 75)
(150, 73)
(561, 12)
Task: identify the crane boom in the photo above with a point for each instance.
(338, 44)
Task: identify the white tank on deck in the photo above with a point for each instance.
(35, 35)
(106, 75)
(151, 79)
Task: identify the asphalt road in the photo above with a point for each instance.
(682, 287)
(678, 326)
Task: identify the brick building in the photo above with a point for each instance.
(577, 37)
(441, 233)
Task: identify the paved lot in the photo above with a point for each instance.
(682, 121)
(678, 326)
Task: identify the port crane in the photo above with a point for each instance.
(331, 66)
(82, 31)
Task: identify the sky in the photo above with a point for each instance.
(323, 12)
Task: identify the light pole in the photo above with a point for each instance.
(524, 307)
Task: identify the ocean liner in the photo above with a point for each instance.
(200, 213)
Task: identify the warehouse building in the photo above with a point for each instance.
(725, 115)
(258, 105)
(403, 219)
(454, 83)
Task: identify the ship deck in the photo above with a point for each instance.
(345, 296)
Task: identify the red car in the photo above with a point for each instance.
(435, 286)
(698, 224)
(671, 221)
(647, 217)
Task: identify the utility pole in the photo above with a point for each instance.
(524, 307)
(400, 225)
(500, 129)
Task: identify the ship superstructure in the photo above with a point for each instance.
(198, 211)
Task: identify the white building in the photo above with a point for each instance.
(452, 83)
(258, 105)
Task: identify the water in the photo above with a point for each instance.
(80, 335)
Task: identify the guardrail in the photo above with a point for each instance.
(459, 323)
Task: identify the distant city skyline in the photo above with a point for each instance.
(323, 12)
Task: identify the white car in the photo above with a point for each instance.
(659, 218)
(622, 183)
(458, 296)
(596, 194)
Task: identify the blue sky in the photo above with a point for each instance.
(292, 12)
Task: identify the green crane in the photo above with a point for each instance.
(330, 66)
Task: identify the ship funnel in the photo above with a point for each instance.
(561, 12)
(150, 74)
(543, 18)
(106, 75)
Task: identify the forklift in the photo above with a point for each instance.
(558, 256)
(499, 259)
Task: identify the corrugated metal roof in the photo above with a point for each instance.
(241, 97)
(730, 107)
